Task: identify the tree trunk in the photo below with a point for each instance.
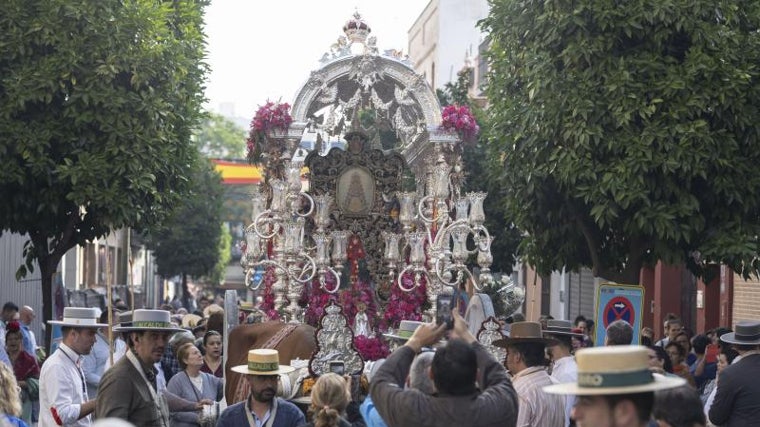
(185, 292)
(48, 264)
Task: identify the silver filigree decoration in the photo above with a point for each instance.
(491, 331)
(335, 342)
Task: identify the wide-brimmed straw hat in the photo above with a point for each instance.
(524, 332)
(190, 320)
(560, 327)
(79, 317)
(148, 320)
(405, 330)
(745, 333)
(620, 369)
(263, 361)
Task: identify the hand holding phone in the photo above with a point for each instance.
(443, 314)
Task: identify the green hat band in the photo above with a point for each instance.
(263, 366)
(404, 334)
(615, 379)
(150, 324)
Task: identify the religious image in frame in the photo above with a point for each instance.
(356, 192)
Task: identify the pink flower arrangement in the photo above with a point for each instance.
(271, 116)
(459, 119)
(371, 348)
(405, 305)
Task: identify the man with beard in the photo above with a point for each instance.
(128, 390)
(63, 391)
(262, 407)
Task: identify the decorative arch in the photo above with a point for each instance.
(334, 95)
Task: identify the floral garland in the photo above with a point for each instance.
(459, 119)
(371, 348)
(271, 116)
(406, 305)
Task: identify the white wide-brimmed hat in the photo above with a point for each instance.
(405, 330)
(79, 317)
(263, 361)
(745, 333)
(620, 369)
(148, 320)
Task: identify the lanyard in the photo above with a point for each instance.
(79, 371)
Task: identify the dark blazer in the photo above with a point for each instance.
(737, 401)
(288, 415)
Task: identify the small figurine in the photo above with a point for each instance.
(361, 322)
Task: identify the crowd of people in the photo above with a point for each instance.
(165, 369)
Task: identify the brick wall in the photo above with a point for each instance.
(746, 299)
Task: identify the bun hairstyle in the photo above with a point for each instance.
(329, 398)
(12, 327)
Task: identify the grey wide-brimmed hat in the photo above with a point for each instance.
(405, 330)
(79, 317)
(148, 320)
(560, 327)
(525, 332)
(620, 369)
(745, 333)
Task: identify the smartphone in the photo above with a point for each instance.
(338, 367)
(443, 311)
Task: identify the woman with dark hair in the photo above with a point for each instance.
(212, 360)
(25, 368)
(678, 358)
(193, 385)
(659, 361)
(725, 358)
(330, 401)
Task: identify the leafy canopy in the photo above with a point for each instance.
(98, 100)
(628, 132)
(189, 241)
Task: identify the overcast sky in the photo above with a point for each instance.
(260, 50)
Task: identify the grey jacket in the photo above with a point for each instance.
(180, 385)
(494, 405)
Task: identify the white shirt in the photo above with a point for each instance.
(62, 387)
(565, 370)
(536, 407)
(119, 349)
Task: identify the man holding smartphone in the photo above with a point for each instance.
(459, 400)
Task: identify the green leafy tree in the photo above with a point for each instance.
(188, 243)
(628, 132)
(477, 167)
(98, 100)
(225, 255)
(221, 138)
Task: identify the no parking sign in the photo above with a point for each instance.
(618, 302)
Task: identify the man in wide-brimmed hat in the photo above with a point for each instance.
(526, 349)
(615, 387)
(737, 400)
(262, 407)
(129, 390)
(564, 368)
(63, 390)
